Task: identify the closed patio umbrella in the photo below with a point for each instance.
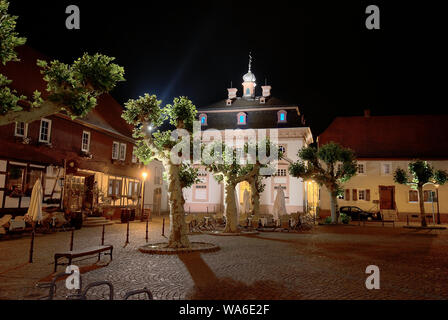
(246, 202)
(279, 204)
(35, 211)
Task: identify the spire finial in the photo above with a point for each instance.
(250, 61)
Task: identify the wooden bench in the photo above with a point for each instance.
(70, 255)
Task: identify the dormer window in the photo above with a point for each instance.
(241, 118)
(281, 116)
(203, 119)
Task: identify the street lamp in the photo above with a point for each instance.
(438, 208)
(144, 176)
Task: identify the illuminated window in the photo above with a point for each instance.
(203, 119)
(361, 168)
(241, 118)
(281, 116)
(247, 92)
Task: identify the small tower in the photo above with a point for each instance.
(249, 82)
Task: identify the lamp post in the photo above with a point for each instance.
(438, 208)
(144, 176)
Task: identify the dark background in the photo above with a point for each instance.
(318, 55)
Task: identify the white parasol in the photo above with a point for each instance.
(279, 204)
(35, 211)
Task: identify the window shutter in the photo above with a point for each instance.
(367, 194)
(355, 195)
(347, 194)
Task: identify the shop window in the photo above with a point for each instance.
(114, 188)
(15, 179)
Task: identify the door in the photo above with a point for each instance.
(387, 198)
(157, 200)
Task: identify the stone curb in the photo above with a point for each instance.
(206, 247)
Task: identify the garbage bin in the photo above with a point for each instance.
(132, 215)
(125, 215)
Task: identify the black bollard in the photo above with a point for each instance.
(71, 240)
(163, 227)
(32, 244)
(102, 235)
(147, 224)
(127, 234)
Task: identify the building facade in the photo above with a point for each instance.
(85, 164)
(382, 144)
(243, 116)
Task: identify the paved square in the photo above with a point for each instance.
(326, 263)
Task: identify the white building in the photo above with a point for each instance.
(243, 115)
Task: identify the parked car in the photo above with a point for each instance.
(356, 213)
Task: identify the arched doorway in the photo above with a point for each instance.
(312, 197)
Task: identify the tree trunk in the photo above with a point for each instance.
(421, 201)
(46, 109)
(255, 197)
(333, 203)
(231, 214)
(178, 230)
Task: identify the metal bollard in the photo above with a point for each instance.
(127, 234)
(71, 240)
(147, 224)
(102, 235)
(163, 227)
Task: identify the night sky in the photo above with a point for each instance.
(318, 56)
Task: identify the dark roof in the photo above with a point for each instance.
(26, 78)
(259, 116)
(241, 103)
(401, 137)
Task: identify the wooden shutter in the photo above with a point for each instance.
(347, 194)
(355, 195)
(426, 195)
(367, 194)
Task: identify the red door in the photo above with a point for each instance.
(387, 198)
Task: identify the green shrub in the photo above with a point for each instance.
(345, 219)
(327, 220)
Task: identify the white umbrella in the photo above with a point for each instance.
(35, 211)
(246, 202)
(35, 208)
(279, 204)
(237, 202)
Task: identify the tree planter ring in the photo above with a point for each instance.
(161, 248)
(229, 234)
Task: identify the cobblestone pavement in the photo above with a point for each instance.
(326, 263)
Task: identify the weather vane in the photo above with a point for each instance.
(250, 60)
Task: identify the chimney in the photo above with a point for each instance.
(266, 91)
(366, 113)
(232, 93)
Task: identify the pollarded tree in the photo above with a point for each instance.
(224, 163)
(265, 170)
(230, 166)
(74, 88)
(146, 112)
(420, 173)
(323, 167)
